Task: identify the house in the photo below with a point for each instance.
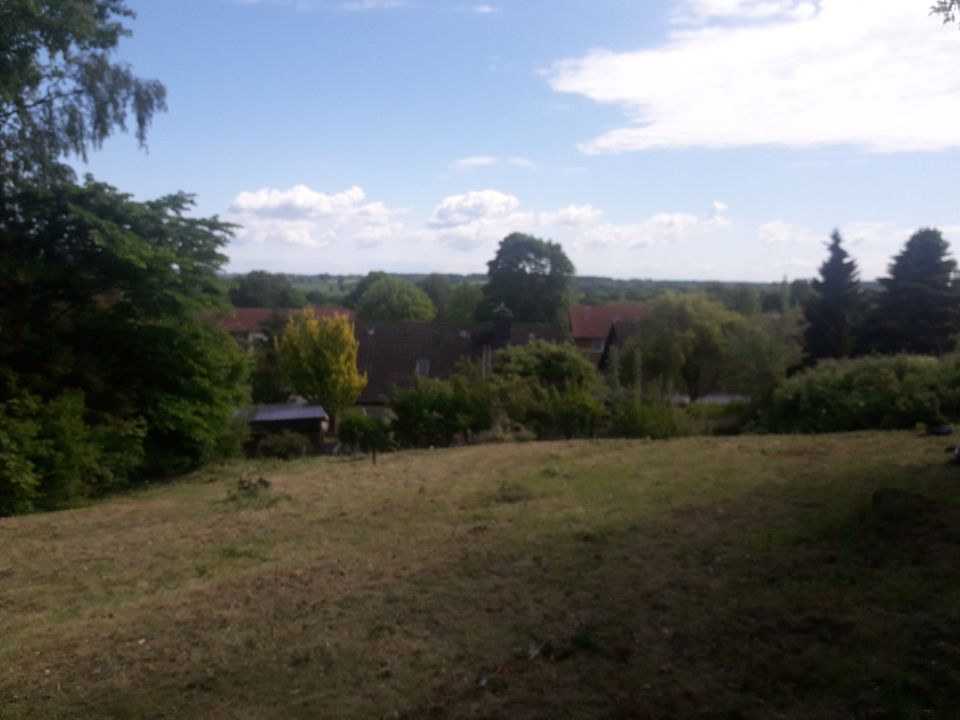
(620, 331)
(393, 353)
(590, 325)
(246, 325)
(308, 420)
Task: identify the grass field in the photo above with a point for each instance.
(725, 578)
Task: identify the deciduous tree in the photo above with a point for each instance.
(60, 91)
(319, 357)
(393, 299)
(532, 277)
(685, 340)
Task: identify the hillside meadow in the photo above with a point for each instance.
(712, 578)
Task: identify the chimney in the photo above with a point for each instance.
(502, 318)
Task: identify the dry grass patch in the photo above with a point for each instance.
(707, 578)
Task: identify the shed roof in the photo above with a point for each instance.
(286, 412)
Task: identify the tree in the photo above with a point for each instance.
(949, 10)
(267, 381)
(318, 355)
(107, 325)
(685, 339)
(834, 311)
(761, 351)
(549, 388)
(60, 93)
(364, 433)
(530, 276)
(392, 299)
(352, 298)
(919, 308)
(438, 290)
(259, 289)
(464, 301)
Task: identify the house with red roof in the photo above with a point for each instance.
(247, 324)
(590, 325)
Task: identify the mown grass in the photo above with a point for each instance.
(698, 578)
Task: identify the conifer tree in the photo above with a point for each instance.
(919, 310)
(834, 310)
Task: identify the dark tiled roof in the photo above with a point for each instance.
(594, 321)
(249, 320)
(389, 351)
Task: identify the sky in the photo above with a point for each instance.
(664, 139)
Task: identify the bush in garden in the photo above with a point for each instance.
(286, 445)
(877, 392)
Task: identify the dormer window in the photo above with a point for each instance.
(423, 367)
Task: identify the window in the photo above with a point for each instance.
(423, 367)
(596, 345)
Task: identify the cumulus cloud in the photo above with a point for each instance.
(483, 217)
(473, 161)
(302, 216)
(876, 74)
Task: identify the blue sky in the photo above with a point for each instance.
(672, 139)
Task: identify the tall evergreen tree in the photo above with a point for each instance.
(919, 310)
(833, 311)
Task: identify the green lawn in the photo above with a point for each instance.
(727, 578)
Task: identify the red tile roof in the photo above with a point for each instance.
(594, 321)
(249, 320)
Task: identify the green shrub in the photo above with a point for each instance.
(632, 417)
(364, 433)
(879, 392)
(53, 454)
(425, 414)
(286, 445)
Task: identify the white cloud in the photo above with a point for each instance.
(485, 9)
(699, 11)
(488, 161)
(468, 221)
(877, 74)
(778, 232)
(475, 161)
(371, 4)
(302, 216)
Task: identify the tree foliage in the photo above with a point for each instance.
(438, 290)
(60, 93)
(111, 364)
(318, 355)
(685, 339)
(876, 392)
(392, 299)
(260, 289)
(465, 299)
(949, 10)
(835, 310)
(919, 308)
(532, 277)
(550, 388)
(352, 298)
(364, 433)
